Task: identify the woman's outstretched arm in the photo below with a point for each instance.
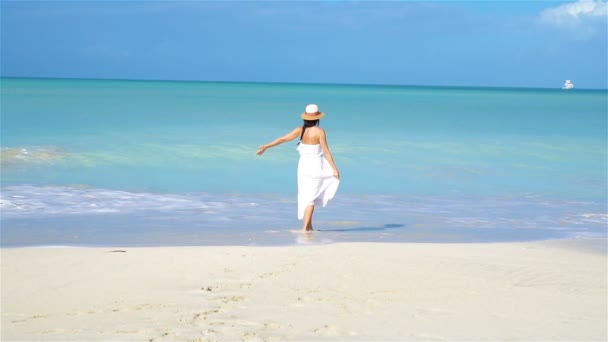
(330, 158)
(287, 137)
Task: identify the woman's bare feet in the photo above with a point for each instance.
(308, 218)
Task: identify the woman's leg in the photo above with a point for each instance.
(308, 217)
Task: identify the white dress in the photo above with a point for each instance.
(316, 181)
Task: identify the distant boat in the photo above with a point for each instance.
(568, 85)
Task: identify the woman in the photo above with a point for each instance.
(318, 175)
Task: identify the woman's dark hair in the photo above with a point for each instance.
(308, 123)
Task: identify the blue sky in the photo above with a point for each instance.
(454, 43)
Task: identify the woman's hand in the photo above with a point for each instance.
(336, 173)
(261, 150)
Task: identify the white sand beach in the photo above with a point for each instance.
(552, 290)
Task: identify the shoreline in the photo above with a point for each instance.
(595, 244)
(536, 290)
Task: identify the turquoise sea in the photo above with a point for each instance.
(112, 162)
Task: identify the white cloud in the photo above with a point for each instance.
(576, 13)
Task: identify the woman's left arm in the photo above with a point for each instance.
(287, 137)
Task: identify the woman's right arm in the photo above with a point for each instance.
(330, 158)
(287, 137)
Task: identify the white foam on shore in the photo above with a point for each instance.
(33, 200)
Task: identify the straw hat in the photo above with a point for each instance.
(312, 113)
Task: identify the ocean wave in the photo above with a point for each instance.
(28, 211)
(587, 218)
(350, 210)
(23, 201)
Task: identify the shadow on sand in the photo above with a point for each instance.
(363, 229)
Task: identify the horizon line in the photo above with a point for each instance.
(296, 83)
